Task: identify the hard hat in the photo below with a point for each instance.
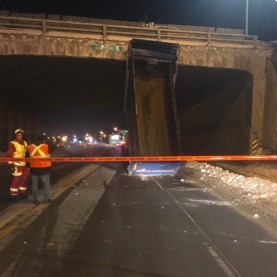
(18, 131)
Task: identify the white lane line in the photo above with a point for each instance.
(220, 262)
(202, 231)
(157, 183)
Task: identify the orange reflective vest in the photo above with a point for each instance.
(40, 151)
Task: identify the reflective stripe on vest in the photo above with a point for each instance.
(40, 151)
(20, 151)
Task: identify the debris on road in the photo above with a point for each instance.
(254, 188)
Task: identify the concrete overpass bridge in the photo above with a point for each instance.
(226, 84)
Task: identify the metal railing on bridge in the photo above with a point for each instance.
(156, 32)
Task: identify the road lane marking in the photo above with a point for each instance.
(220, 262)
(157, 183)
(19, 221)
(62, 185)
(207, 237)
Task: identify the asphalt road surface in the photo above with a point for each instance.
(137, 226)
(59, 170)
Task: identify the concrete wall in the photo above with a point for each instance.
(55, 44)
(270, 110)
(2, 127)
(274, 57)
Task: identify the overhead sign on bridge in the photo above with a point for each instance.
(111, 48)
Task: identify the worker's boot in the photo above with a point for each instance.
(15, 198)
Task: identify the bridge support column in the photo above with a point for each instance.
(270, 104)
(2, 127)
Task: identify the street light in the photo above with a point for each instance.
(102, 134)
(115, 128)
(246, 20)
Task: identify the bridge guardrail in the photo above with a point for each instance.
(129, 32)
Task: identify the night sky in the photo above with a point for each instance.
(214, 13)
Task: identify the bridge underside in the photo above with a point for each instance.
(33, 85)
(214, 105)
(58, 83)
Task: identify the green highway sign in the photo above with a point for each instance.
(106, 48)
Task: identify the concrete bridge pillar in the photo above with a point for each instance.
(274, 57)
(2, 127)
(270, 104)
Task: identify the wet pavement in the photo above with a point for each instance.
(138, 226)
(59, 170)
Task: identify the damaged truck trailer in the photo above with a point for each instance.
(150, 106)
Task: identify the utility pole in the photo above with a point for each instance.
(247, 14)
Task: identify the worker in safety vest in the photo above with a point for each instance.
(17, 149)
(40, 169)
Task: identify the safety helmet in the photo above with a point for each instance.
(18, 131)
